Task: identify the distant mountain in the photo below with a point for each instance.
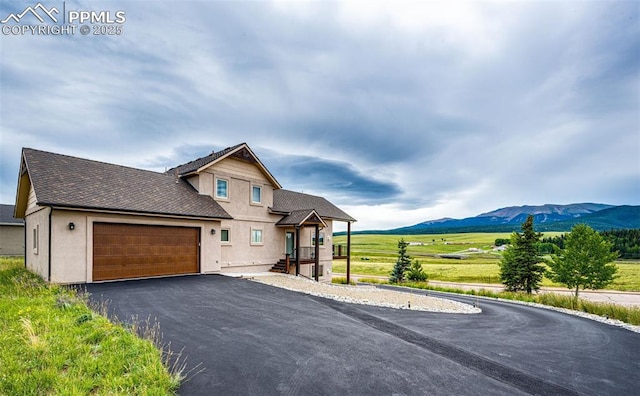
(617, 217)
(546, 218)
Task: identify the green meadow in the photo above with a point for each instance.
(376, 255)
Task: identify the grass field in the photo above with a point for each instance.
(52, 343)
(376, 255)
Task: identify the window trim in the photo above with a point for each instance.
(218, 179)
(253, 186)
(261, 242)
(228, 241)
(36, 238)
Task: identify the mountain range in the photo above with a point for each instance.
(546, 218)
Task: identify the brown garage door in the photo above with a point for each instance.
(123, 251)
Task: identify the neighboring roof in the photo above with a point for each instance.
(71, 182)
(6, 216)
(285, 201)
(300, 217)
(240, 151)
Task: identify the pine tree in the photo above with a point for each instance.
(520, 268)
(403, 262)
(416, 273)
(585, 262)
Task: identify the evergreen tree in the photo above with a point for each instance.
(403, 262)
(416, 273)
(521, 268)
(586, 261)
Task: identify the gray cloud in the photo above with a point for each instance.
(521, 103)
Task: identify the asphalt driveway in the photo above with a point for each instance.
(250, 338)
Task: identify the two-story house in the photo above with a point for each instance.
(89, 221)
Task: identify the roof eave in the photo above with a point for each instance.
(128, 211)
(22, 189)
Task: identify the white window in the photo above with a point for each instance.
(222, 188)
(256, 236)
(256, 194)
(224, 235)
(36, 237)
(313, 239)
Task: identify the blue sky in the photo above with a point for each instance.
(399, 112)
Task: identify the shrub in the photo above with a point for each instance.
(416, 273)
(342, 281)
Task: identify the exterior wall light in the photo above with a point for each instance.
(72, 226)
(213, 231)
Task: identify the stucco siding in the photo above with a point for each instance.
(11, 240)
(237, 168)
(68, 247)
(37, 242)
(194, 181)
(241, 254)
(242, 177)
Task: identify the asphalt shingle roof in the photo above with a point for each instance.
(286, 201)
(64, 181)
(196, 164)
(6, 216)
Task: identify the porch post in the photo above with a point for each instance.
(297, 250)
(317, 251)
(348, 252)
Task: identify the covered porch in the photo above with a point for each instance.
(299, 254)
(296, 254)
(304, 216)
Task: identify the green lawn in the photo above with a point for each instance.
(52, 343)
(376, 255)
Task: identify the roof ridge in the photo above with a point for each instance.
(190, 162)
(207, 159)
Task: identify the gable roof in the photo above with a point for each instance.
(70, 182)
(288, 202)
(300, 217)
(240, 151)
(6, 216)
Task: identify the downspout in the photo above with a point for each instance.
(348, 252)
(25, 242)
(317, 252)
(49, 258)
(297, 250)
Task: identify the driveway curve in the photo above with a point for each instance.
(250, 338)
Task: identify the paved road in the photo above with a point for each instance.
(252, 338)
(606, 296)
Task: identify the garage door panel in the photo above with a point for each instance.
(123, 251)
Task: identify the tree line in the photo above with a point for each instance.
(626, 243)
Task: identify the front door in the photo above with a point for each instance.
(290, 243)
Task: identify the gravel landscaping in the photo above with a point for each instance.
(367, 295)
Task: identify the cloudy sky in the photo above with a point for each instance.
(398, 112)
